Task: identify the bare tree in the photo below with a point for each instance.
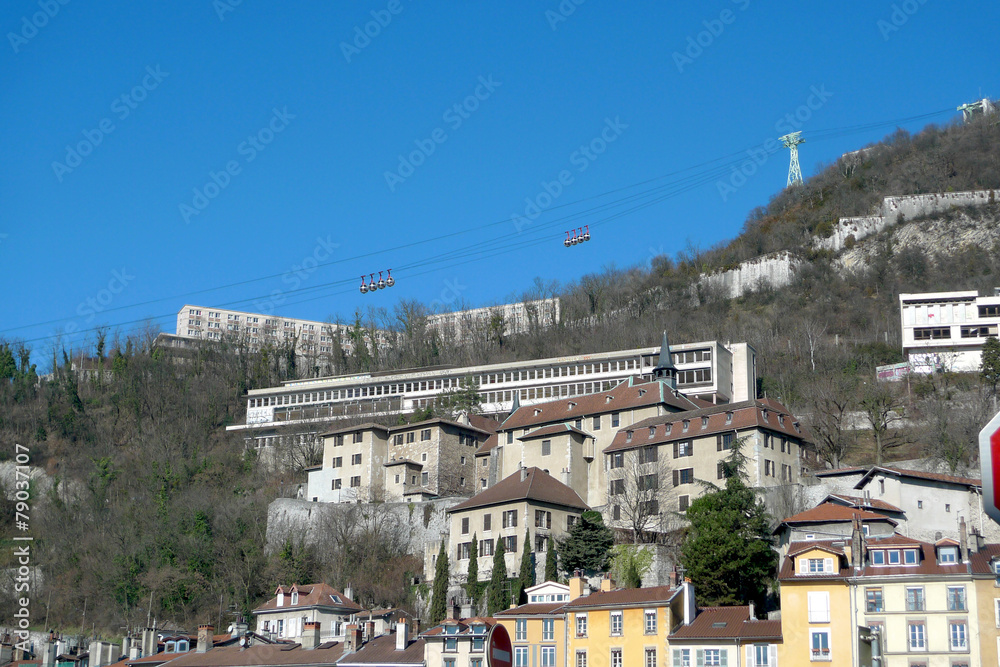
(883, 409)
(639, 489)
(832, 397)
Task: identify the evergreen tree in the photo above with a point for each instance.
(497, 597)
(588, 544)
(990, 369)
(526, 575)
(472, 579)
(551, 564)
(727, 552)
(439, 597)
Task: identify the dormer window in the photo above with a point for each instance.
(796, 426)
(763, 413)
(608, 399)
(652, 431)
(729, 418)
(910, 557)
(948, 555)
(295, 597)
(537, 412)
(570, 405)
(642, 392)
(685, 425)
(704, 422)
(781, 420)
(628, 436)
(281, 596)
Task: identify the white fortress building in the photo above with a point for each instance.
(708, 370)
(946, 330)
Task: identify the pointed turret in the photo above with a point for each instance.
(665, 369)
(516, 403)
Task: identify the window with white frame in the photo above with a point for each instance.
(761, 656)
(581, 659)
(649, 621)
(682, 657)
(616, 657)
(650, 660)
(916, 636)
(713, 657)
(616, 623)
(958, 631)
(819, 606)
(956, 598)
(548, 656)
(520, 656)
(548, 629)
(819, 645)
(521, 629)
(581, 623)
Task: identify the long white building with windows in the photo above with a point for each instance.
(712, 371)
(946, 330)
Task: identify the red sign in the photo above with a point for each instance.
(499, 652)
(989, 461)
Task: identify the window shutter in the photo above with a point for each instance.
(772, 655)
(723, 657)
(676, 451)
(676, 478)
(700, 654)
(750, 656)
(513, 519)
(677, 657)
(828, 565)
(718, 443)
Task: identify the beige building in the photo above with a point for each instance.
(529, 500)
(676, 452)
(457, 643)
(566, 436)
(286, 614)
(371, 462)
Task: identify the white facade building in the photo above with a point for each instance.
(946, 330)
(517, 318)
(709, 370)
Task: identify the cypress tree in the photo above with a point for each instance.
(472, 580)
(526, 575)
(439, 597)
(551, 564)
(497, 596)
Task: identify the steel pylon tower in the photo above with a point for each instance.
(791, 142)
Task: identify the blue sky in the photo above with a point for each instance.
(156, 150)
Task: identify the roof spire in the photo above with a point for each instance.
(516, 402)
(665, 369)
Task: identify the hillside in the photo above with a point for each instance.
(154, 507)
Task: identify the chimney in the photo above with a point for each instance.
(370, 629)
(576, 585)
(606, 583)
(402, 637)
(149, 644)
(239, 628)
(126, 644)
(48, 652)
(857, 545)
(206, 637)
(135, 652)
(690, 605)
(352, 639)
(753, 612)
(310, 635)
(963, 540)
(453, 610)
(524, 473)
(349, 592)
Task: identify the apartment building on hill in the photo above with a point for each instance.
(946, 330)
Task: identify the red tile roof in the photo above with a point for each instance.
(382, 651)
(311, 595)
(717, 419)
(262, 654)
(728, 623)
(919, 474)
(927, 564)
(628, 395)
(835, 547)
(464, 626)
(835, 513)
(624, 597)
(537, 486)
(533, 609)
(864, 503)
(554, 429)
